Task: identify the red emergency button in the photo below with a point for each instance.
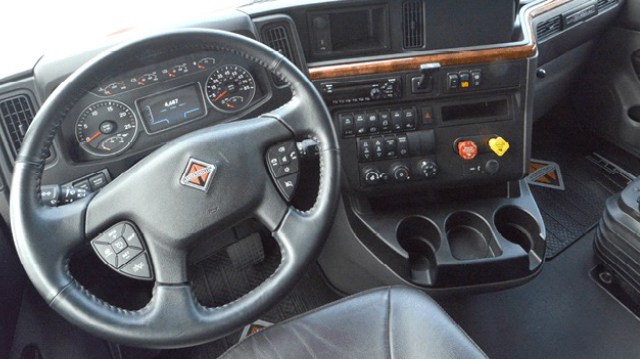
(467, 149)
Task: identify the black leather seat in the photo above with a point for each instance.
(395, 322)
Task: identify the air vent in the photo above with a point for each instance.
(603, 4)
(16, 115)
(277, 38)
(549, 27)
(412, 24)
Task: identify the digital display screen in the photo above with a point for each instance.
(172, 108)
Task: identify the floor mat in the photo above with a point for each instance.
(560, 314)
(588, 178)
(217, 281)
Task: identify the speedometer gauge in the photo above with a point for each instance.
(230, 88)
(106, 128)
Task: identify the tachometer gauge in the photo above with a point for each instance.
(106, 128)
(230, 88)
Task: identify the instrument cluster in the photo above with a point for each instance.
(207, 87)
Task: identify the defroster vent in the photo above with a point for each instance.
(413, 25)
(16, 114)
(603, 4)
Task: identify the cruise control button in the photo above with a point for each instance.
(119, 245)
(105, 252)
(114, 232)
(287, 185)
(138, 268)
(131, 237)
(127, 255)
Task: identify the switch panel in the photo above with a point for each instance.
(381, 120)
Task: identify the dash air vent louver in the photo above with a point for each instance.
(549, 27)
(412, 25)
(16, 114)
(277, 38)
(603, 4)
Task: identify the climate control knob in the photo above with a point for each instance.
(428, 169)
(400, 172)
(372, 175)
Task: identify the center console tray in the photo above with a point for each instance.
(459, 243)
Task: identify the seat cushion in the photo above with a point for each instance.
(390, 322)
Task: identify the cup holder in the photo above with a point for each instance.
(634, 113)
(521, 228)
(470, 237)
(421, 239)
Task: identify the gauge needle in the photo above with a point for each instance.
(222, 94)
(94, 137)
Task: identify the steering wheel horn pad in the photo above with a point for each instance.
(171, 216)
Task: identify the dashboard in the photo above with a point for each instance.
(143, 108)
(433, 102)
(478, 85)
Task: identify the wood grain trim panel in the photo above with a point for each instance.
(448, 59)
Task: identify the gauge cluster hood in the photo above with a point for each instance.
(52, 69)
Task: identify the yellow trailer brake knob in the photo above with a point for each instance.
(499, 145)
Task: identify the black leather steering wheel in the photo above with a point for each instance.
(171, 216)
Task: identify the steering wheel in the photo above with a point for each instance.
(170, 216)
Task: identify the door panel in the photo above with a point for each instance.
(608, 95)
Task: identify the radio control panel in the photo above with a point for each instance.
(340, 93)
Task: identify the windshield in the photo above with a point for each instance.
(30, 29)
